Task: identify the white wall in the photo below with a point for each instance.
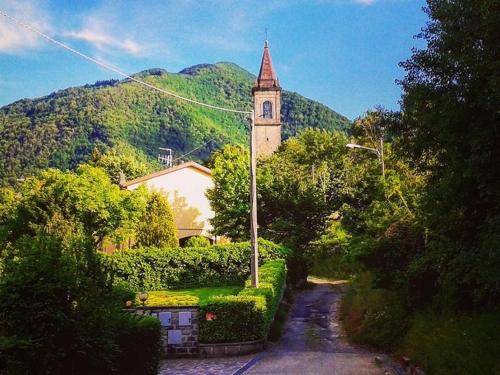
(186, 190)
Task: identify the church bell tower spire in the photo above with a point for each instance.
(267, 107)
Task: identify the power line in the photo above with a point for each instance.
(193, 150)
(116, 70)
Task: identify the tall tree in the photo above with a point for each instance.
(156, 225)
(230, 196)
(451, 129)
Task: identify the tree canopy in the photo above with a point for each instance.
(450, 129)
(156, 226)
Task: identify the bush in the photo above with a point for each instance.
(139, 343)
(455, 345)
(248, 315)
(122, 293)
(197, 241)
(159, 269)
(373, 316)
(238, 318)
(57, 313)
(328, 256)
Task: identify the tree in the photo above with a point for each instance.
(450, 130)
(121, 161)
(156, 226)
(54, 299)
(71, 206)
(229, 197)
(300, 186)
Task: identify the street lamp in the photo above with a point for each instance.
(143, 297)
(379, 152)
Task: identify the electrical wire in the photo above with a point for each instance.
(193, 150)
(116, 70)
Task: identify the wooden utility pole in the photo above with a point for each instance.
(381, 156)
(254, 265)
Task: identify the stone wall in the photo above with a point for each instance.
(179, 332)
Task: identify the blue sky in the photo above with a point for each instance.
(343, 53)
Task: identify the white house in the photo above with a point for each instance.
(185, 185)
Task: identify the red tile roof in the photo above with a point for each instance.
(267, 77)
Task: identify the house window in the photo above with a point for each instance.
(267, 109)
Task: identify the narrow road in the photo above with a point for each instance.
(312, 342)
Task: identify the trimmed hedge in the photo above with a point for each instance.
(159, 269)
(139, 343)
(247, 316)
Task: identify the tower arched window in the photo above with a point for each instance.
(267, 109)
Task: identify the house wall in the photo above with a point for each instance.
(186, 190)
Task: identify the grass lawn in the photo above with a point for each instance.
(193, 296)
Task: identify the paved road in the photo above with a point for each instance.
(312, 342)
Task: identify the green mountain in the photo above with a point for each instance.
(62, 129)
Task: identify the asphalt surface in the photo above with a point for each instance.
(313, 344)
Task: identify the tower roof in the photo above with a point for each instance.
(267, 77)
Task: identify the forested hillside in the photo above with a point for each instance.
(64, 128)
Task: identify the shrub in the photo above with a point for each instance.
(139, 343)
(197, 241)
(248, 315)
(56, 311)
(122, 293)
(327, 256)
(159, 269)
(455, 345)
(238, 318)
(373, 316)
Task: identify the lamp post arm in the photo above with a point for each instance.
(380, 153)
(354, 145)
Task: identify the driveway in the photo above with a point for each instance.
(312, 342)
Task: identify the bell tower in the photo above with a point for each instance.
(267, 107)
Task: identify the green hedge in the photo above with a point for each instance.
(159, 269)
(248, 315)
(139, 344)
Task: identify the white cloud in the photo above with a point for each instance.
(15, 38)
(97, 33)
